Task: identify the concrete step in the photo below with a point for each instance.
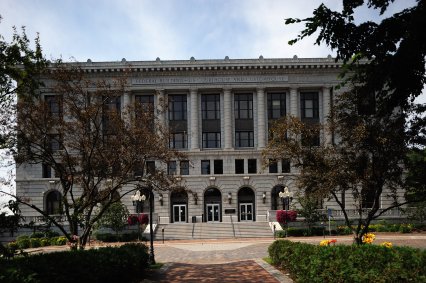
(219, 230)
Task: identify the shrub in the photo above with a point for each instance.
(51, 234)
(45, 242)
(284, 216)
(405, 228)
(340, 263)
(127, 237)
(106, 237)
(35, 242)
(120, 264)
(13, 246)
(23, 242)
(61, 241)
(37, 235)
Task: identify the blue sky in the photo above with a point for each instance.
(170, 29)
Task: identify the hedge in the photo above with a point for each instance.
(125, 237)
(123, 264)
(341, 263)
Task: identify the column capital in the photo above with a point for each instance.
(193, 90)
(160, 90)
(260, 89)
(227, 89)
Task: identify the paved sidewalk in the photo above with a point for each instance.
(240, 271)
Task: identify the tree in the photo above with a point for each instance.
(97, 150)
(383, 71)
(416, 181)
(19, 67)
(115, 217)
(309, 211)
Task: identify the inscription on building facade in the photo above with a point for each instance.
(209, 80)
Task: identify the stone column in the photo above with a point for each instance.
(227, 109)
(326, 113)
(193, 92)
(293, 102)
(161, 110)
(260, 118)
(126, 107)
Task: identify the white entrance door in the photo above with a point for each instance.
(179, 213)
(246, 211)
(212, 212)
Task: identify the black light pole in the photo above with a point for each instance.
(151, 258)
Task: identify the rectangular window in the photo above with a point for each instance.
(239, 166)
(244, 139)
(54, 105)
(312, 136)
(243, 106)
(211, 140)
(54, 143)
(111, 111)
(218, 166)
(210, 106)
(309, 105)
(145, 102)
(184, 167)
(178, 140)
(285, 166)
(205, 167)
(177, 107)
(150, 167)
(171, 168)
(46, 171)
(276, 105)
(273, 166)
(252, 166)
(138, 169)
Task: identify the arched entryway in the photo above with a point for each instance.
(276, 202)
(143, 206)
(212, 205)
(246, 204)
(179, 206)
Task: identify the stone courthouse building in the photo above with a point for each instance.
(220, 111)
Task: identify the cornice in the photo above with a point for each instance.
(159, 67)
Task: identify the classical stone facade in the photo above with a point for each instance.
(220, 110)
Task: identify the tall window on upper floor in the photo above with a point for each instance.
(178, 121)
(184, 167)
(210, 114)
(177, 107)
(144, 109)
(54, 106)
(171, 168)
(276, 105)
(178, 140)
(310, 116)
(309, 105)
(243, 106)
(111, 111)
(244, 127)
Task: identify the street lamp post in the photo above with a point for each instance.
(286, 197)
(137, 197)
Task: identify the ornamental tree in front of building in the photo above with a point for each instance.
(97, 150)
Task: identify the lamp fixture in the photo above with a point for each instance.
(264, 197)
(160, 198)
(195, 198)
(137, 197)
(229, 198)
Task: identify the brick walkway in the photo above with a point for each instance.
(241, 271)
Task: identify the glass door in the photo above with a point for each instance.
(246, 212)
(179, 213)
(212, 212)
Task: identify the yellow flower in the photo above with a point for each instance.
(386, 244)
(368, 238)
(325, 243)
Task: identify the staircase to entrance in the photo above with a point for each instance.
(214, 230)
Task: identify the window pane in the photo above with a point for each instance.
(184, 167)
(171, 168)
(273, 166)
(205, 167)
(218, 167)
(252, 166)
(239, 166)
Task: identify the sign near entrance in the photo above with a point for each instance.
(230, 211)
